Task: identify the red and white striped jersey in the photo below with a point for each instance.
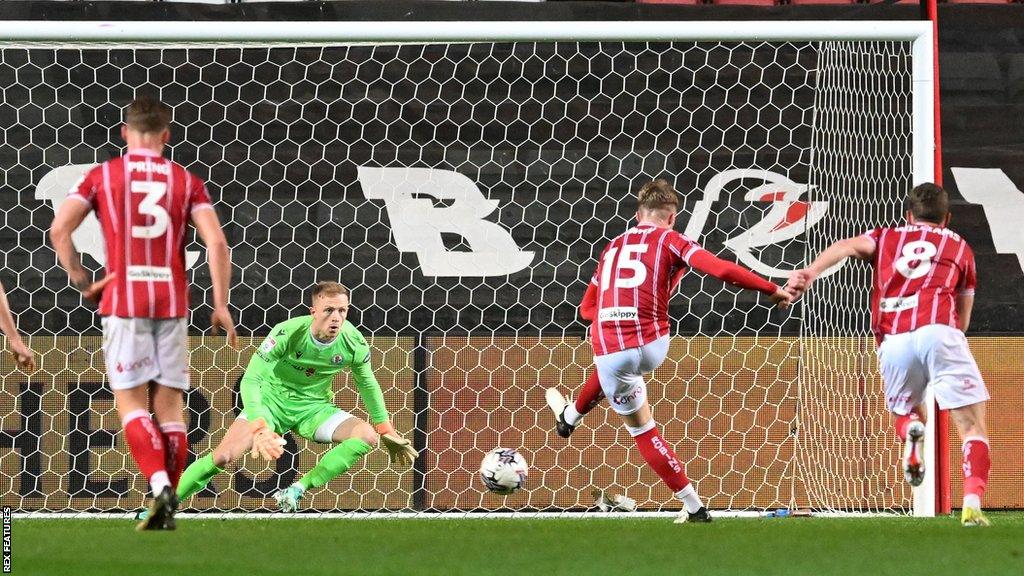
(144, 203)
(634, 278)
(919, 271)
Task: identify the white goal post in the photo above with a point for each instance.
(461, 177)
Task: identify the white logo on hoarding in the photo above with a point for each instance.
(417, 224)
(1003, 204)
(88, 238)
(788, 217)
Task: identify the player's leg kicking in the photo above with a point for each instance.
(620, 376)
(568, 413)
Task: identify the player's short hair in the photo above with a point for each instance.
(928, 202)
(657, 195)
(330, 288)
(147, 114)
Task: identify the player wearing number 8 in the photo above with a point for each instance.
(922, 296)
(144, 203)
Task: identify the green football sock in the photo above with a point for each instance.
(338, 460)
(197, 476)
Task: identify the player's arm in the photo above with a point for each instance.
(588, 306)
(265, 441)
(964, 306)
(69, 217)
(399, 448)
(22, 354)
(737, 275)
(965, 291)
(208, 227)
(861, 247)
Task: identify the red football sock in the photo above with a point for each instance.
(662, 459)
(976, 466)
(147, 447)
(176, 442)
(590, 395)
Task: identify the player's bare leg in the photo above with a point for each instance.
(970, 422)
(354, 438)
(663, 460)
(146, 444)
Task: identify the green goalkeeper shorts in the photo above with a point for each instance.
(312, 419)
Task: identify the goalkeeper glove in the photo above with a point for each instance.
(399, 449)
(266, 443)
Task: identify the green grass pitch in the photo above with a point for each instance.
(531, 547)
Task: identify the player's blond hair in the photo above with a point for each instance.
(928, 202)
(330, 288)
(148, 115)
(659, 198)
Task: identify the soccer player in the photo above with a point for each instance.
(288, 386)
(23, 355)
(628, 301)
(922, 295)
(144, 203)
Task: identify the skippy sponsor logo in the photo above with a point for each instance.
(897, 304)
(788, 217)
(617, 313)
(149, 273)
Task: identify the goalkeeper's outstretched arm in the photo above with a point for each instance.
(399, 448)
(265, 442)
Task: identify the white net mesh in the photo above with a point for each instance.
(862, 168)
(463, 192)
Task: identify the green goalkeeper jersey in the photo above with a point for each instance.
(295, 368)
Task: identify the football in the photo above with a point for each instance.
(503, 471)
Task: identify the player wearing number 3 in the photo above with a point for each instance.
(627, 301)
(144, 203)
(921, 304)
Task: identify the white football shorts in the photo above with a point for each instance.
(935, 355)
(622, 374)
(140, 350)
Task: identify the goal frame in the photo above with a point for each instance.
(919, 33)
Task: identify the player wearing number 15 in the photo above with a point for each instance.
(921, 302)
(627, 300)
(144, 203)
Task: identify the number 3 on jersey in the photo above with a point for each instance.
(150, 206)
(628, 259)
(920, 251)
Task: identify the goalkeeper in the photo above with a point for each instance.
(287, 386)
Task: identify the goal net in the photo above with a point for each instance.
(462, 186)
